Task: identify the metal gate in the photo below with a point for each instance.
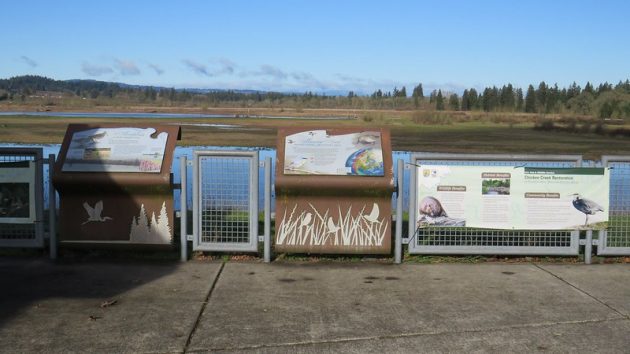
(225, 201)
(25, 234)
(465, 240)
(616, 239)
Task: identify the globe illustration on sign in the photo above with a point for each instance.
(366, 162)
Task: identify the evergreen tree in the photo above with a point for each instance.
(519, 100)
(453, 102)
(490, 98)
(573, 91)
(473, 99)
(417, 95)
(553, 97)
(439, 101)
(530, 100)
(465, 102)
(541, 97)
(589, 88)
(432, 96)
(417, 92)
(506, 100)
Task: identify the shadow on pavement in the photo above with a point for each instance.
(28, 282)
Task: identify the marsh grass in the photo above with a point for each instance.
(317, 229)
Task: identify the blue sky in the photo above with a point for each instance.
(318, 45)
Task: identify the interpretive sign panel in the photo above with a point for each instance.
(512, 198)
(17, 192)
(333, 191)
(116, 150)
(115, 184)
(317, 152)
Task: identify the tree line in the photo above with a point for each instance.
(602, 101)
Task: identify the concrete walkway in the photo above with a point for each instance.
(312, 308)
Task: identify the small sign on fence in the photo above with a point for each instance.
(17, 192)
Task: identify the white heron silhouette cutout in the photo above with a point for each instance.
(94, 214)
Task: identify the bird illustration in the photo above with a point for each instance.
(373, 217)
(367, 139)
(90, 139)
(297, 164)
(332, 228)
(96, 137)
(307, 219)
(586, 206)
(94, 214)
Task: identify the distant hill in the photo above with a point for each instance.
(33, 83)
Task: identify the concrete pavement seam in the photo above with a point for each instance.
(408, 335)
(203, 308)
(582, 291)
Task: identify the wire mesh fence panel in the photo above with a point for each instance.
(467, 240)
(616, 239)
(17, 196)
(226, 201)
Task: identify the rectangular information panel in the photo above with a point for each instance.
(317, 152)
(125, 149)
(17, 192)
(500, 197)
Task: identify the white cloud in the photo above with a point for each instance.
(28, 61)
(158, 70)
(225, 66)
(95, 70)
(126, 67)
(197, 68)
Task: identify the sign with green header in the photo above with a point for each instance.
(506, 197)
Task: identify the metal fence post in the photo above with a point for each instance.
(267, 199)
(183, 213)
(52, 208)
(588, 247)
(39, 198)
(399, 213)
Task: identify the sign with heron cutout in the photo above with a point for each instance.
(507, 197)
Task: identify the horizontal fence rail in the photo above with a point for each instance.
(466, 240)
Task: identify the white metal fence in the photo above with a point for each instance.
(616, 239)
(225, 200)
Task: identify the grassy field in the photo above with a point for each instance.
(410, 132)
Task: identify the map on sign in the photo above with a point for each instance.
(316, 152)
(116, 150)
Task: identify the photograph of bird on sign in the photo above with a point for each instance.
(586, 206)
